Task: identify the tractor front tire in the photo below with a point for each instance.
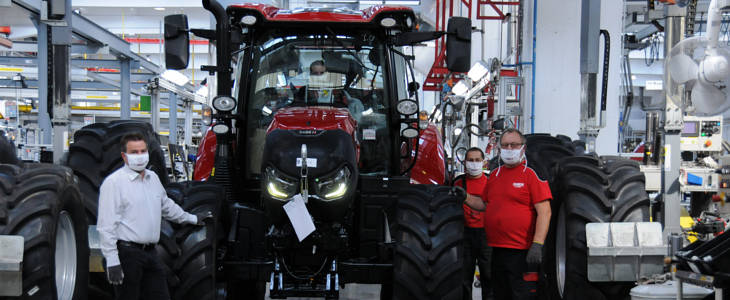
(42, 203)
(429, 233)
(590, 190)
(193, 255)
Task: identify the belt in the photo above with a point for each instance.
(144, 247)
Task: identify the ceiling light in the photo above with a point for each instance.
(175, 77)
(159, 8)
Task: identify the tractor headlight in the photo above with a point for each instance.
(277, 186)
(335, 186)
(224, 103)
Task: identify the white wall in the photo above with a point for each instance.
(557, 80)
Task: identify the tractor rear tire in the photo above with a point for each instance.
(42, 203)
(194, 265)
(96, 153)
(429, 233)
(589, 189)
(7, 151)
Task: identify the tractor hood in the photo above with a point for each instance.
(313, 119)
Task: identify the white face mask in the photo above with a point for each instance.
(474, 168)
(511, 156)
(137, 162)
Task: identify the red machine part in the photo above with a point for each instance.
(5, 30)
(316, 118)
(272, 13)
(430, 166)
(205, 160)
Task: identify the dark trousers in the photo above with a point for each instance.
(476, 252)
(509, 267)
(144, 275)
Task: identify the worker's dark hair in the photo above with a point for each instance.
(474, 149)
(131, 137)
(513, 130)
(317, 63)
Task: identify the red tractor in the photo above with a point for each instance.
(317, 111)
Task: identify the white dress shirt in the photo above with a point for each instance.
(131, 209)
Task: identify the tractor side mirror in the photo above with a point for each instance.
(177, 42)
(458, 44)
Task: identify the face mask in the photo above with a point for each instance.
(137, 162)
(473, 168)
(511, 157)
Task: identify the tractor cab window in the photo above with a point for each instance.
(305, 70)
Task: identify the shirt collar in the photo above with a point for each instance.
(132, 174)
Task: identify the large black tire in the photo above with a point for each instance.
(589, 189)
(429, 232)
(96, 153)
(7, 150)
(192, 255)
(42, 203)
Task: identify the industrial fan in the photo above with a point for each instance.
(700, 65)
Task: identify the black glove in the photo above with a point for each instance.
(202, 216)
(459, 192)
(534, 255)
(115, 275)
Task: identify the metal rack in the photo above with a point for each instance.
(717, 282)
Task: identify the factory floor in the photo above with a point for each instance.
(356, 291)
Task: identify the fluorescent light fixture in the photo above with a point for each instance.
(460, 88)
(159, 8)
(478, 71)
(368, 112)
(175, 77)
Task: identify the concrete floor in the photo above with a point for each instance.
(356, 291)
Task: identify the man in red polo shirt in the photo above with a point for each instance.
(475, 241)
(516, 219)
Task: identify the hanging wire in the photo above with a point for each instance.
(653, 50)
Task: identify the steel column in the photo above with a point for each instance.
(590, 20)
(155, 109)
(124, 92)
(673, 33)
(61, 81)
(188, 123)
(44, 119)
(172, 118)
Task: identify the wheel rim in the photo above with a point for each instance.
(560, 249)
(65, 256)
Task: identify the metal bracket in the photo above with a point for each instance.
(624, 251)
(11, 265)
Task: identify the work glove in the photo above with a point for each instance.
(534, 255)
(202, 216)
(459, 192)
(115, 275)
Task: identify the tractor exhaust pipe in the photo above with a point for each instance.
(222, 46)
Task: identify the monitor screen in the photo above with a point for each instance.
(691, 128)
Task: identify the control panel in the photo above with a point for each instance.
(724, 173)
(701, 134)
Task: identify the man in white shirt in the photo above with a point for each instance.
(132, 202)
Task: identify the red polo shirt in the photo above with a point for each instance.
(473, 218)
(510, 217)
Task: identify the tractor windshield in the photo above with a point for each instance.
(301, 70)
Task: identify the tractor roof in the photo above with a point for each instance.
(334, 15)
